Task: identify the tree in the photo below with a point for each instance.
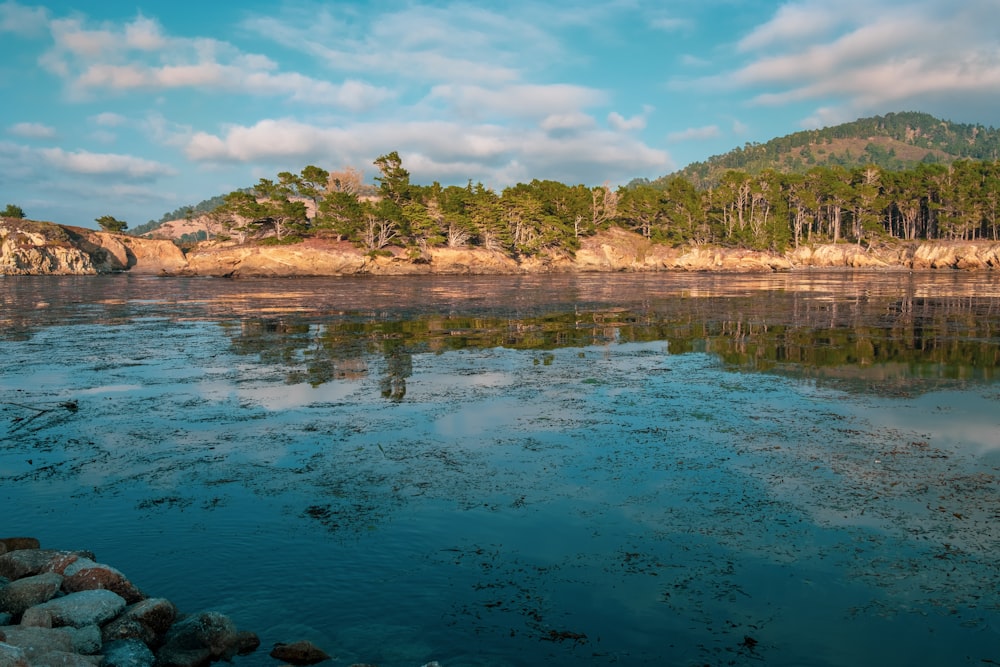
(394, 181)
(12, 211)
(111, 224)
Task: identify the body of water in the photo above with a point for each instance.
(653, 469)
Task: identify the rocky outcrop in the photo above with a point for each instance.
(30, 248)
(63, 608)
(41, 248)
(43, 624)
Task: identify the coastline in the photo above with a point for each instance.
(34, 248)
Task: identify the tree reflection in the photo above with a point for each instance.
(873, 341)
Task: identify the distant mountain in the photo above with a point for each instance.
(895, 141)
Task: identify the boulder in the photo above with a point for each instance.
(128, 653)
(100, 576)
(299, 653)
(37, 641)
(19, 595)
(27, 562)
(94, 607)
(148, 621)
(17, 543)
(12, 656)
(201, 639)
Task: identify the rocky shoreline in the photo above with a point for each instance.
(37, 248)
(64, 609)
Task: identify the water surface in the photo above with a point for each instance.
(791, 469)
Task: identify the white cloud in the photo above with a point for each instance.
(448, 151)
(801, 22)
(104, 164)
(520, 100)
(670, 24)
(567, 122)
(637, 122)
(22, 20)
(32, 131)
(109, 119)
(460, 43)
(138, 56)
(869, 56)
(695, 133)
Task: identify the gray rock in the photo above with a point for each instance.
(17, 543)
(77, 609)
(299, 653)
(128, 653)
(5, 618)
(147, 621)
(85, 640)
(26, 592)
(27, 562)
(36, 641)
(64, 659)
(12, 656)
(79, 563)
(198, 640)
(84, 576)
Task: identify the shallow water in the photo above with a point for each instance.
(793, 469)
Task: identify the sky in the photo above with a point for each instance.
(136, 108)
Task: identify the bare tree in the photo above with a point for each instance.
(377, 232)
(348, 180)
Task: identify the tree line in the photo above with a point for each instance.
(766, 210)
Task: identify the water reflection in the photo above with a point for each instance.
(870, 343)
(562, 470)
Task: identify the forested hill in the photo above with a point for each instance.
(894, 142)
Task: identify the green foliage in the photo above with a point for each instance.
(892, 142)
(765, 208)
(111, 224)
(12, 211)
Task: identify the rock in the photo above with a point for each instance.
(65, 561)
(198, 640)
(100, 576)
(148, 621)
(246, 642)
(37, 641)
(26, 592)
(93, 607)
(86, 639)
(66, 659)
(128, 653)
(6, 619)
(299, 653)
(12, 656)
(18, 543)
(27, 562)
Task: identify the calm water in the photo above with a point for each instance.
(612, 469)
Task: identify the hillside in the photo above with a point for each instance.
(893, 142)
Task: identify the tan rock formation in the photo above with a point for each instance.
(28, 247)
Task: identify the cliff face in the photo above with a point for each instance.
(35, 248)
(40, 248)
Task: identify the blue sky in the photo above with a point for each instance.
(136, 108)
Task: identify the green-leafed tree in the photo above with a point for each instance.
(641, 210)
(12, 211)
(485, 213)
(341, 212)
(111, 224)
(393, 179)
(684, 213)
